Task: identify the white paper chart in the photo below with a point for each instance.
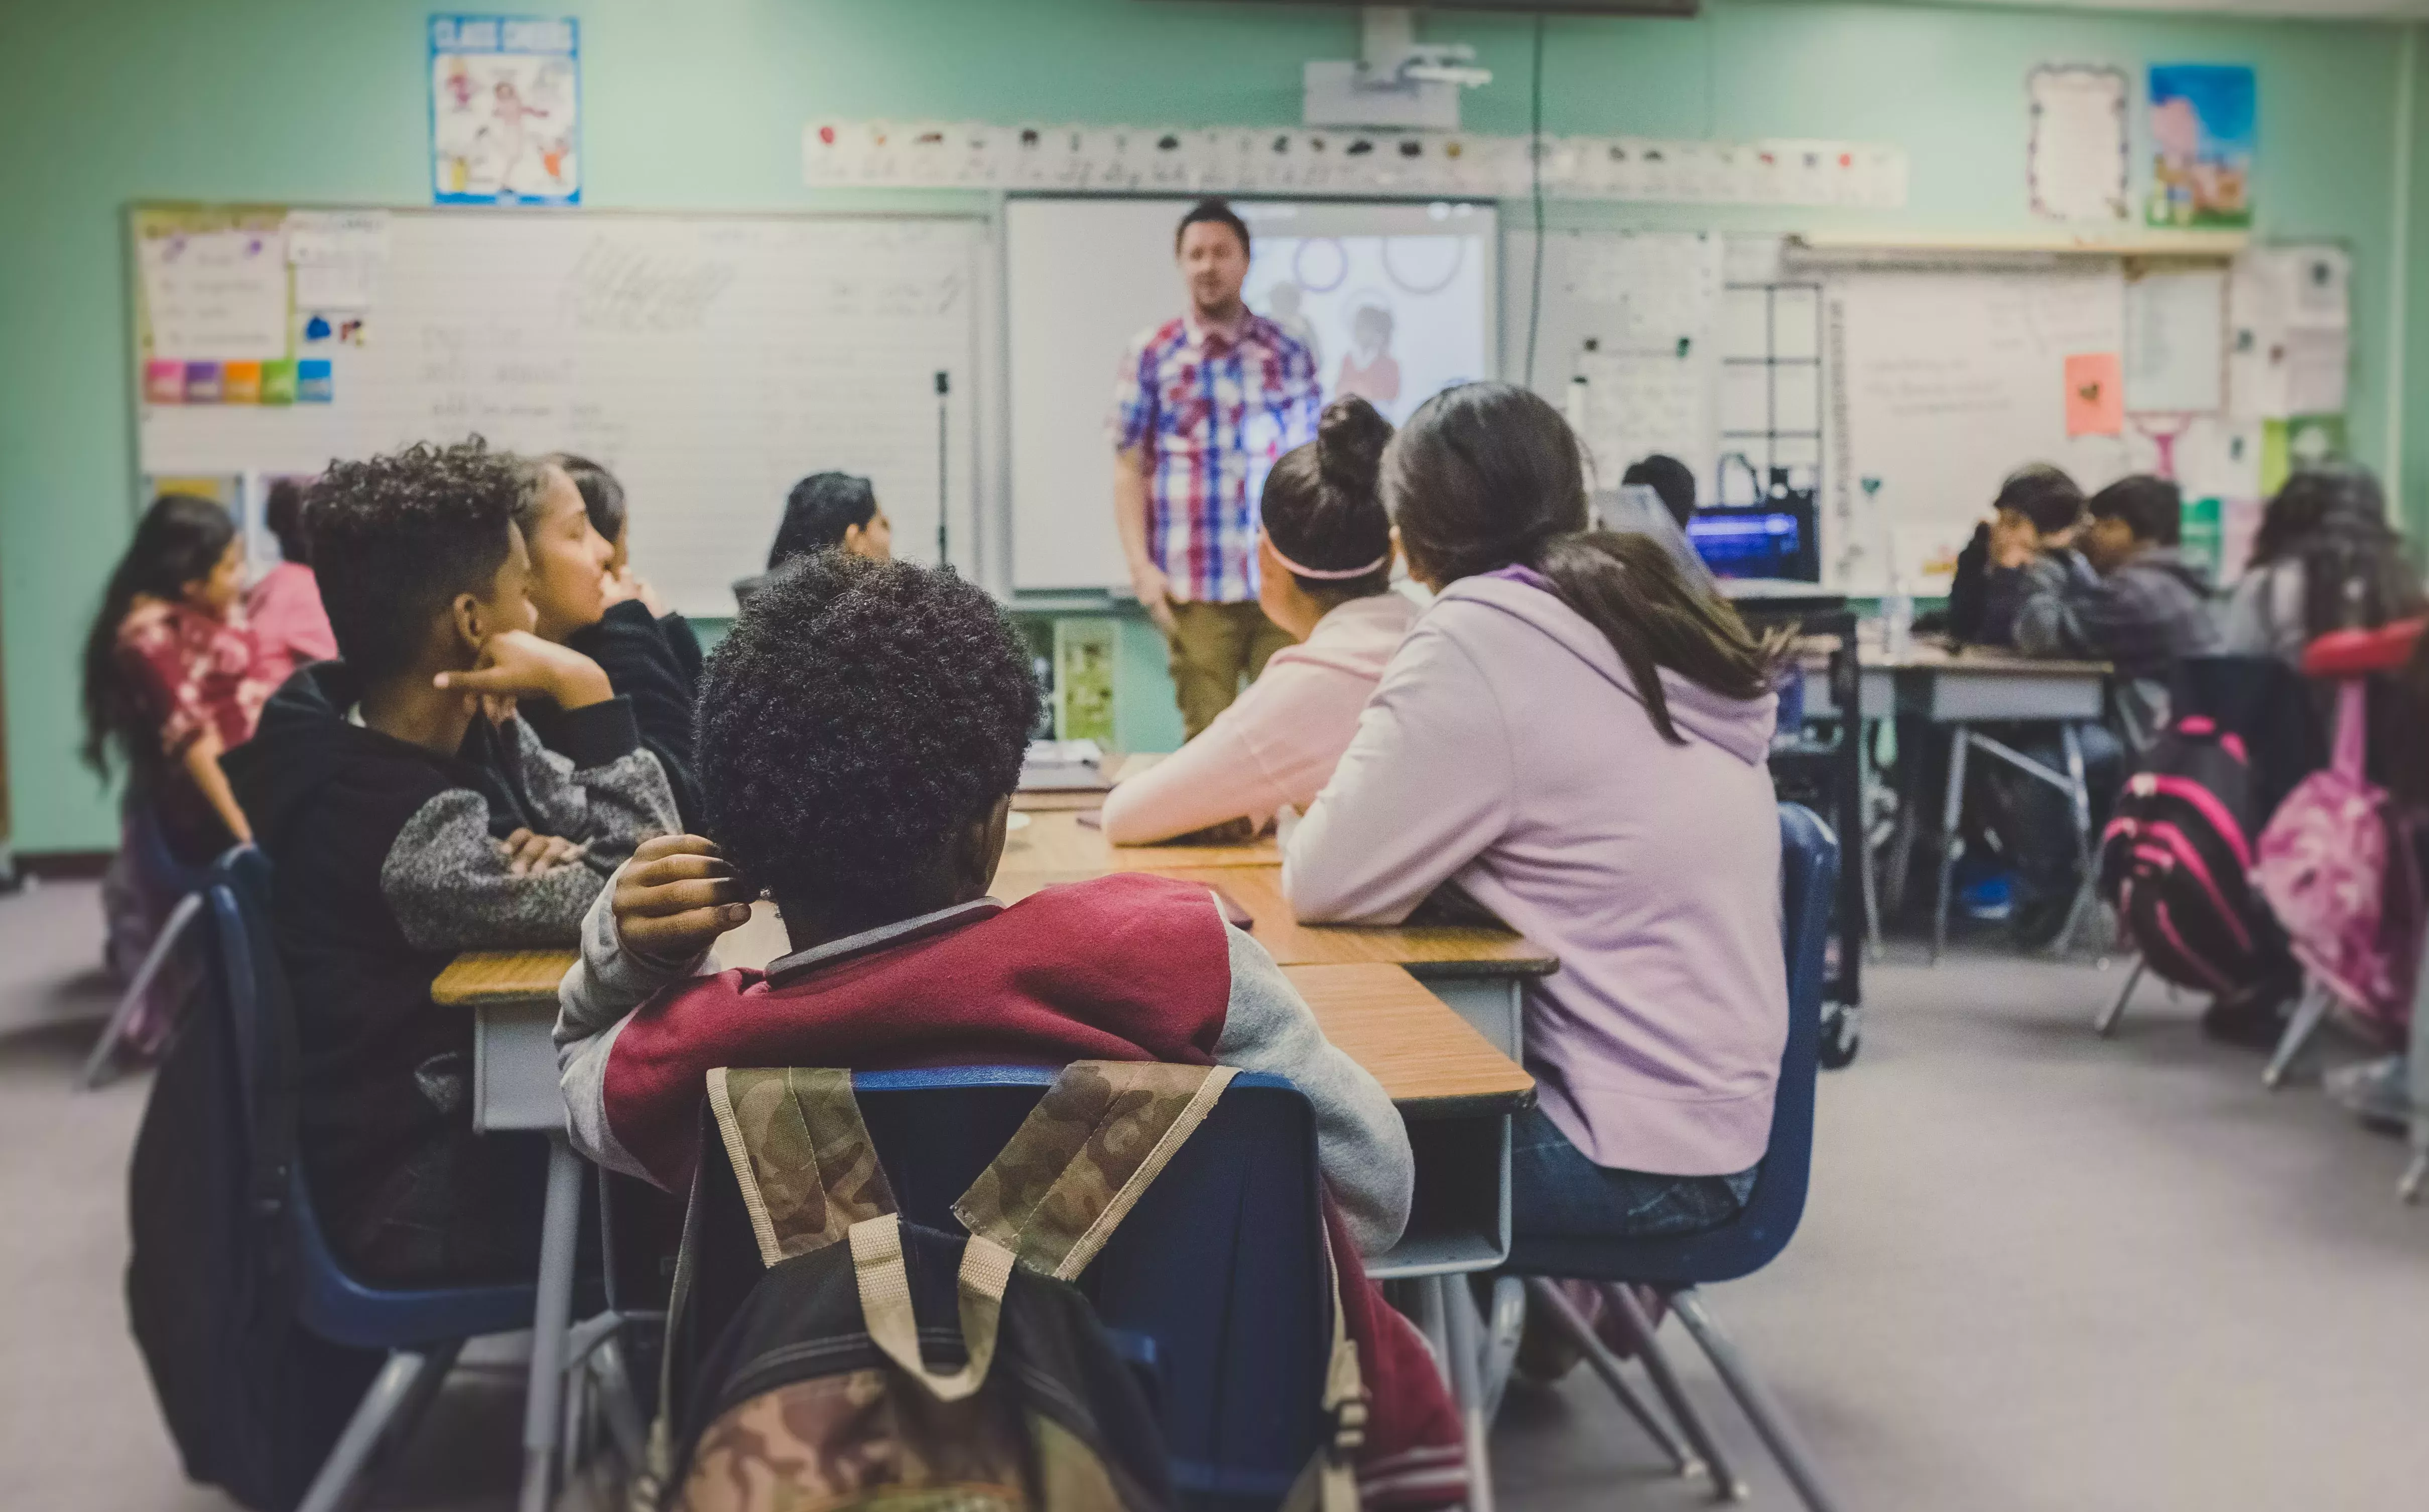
(2175, 342)
(709, 362)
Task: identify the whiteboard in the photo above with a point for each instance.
(1943, 382)
(1082, 277)
(708, 360)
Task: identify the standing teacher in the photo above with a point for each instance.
(1204, 405)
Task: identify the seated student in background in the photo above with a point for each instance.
(2125, 596)
(1577, 740)
(603, 499)
(290, 626)
(1325, 575)
(825, 511)
(1671, 479)
(862, 727)
(2038, 512)
(404, 827)
(580, 602)
(2325, 558)
(171, 685)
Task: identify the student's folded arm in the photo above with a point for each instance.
(603, 789)
(1424, 788)
(601, 992)
(642, 664)
(2046, 623)
(1213, 778)
(1360, 1143)
(449, 884)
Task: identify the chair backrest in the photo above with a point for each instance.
(1809, 876)
(1214, 1285)
(251, 984)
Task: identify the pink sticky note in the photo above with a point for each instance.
(2095, 395)
(164, 381)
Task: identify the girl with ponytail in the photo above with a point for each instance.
(1325, 575)
(1575, 737)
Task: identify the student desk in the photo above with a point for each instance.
(1056, 841)
(1454, 1089)
(1964, 687)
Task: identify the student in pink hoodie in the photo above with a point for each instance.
(1325, 575)
(1577, 739)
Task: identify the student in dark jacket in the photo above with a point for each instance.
(405, 826)
(603, 499)
(2126, 595)
(585, 605)
(2036, 518)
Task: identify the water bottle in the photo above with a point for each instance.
(1897, 619)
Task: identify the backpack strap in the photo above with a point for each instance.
(1081, 1159)
(885, 1304)
(801, 1155)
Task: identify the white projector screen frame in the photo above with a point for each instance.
(1083, 277)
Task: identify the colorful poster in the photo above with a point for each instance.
(2095, 395)
(505, 102)
(2203, 130)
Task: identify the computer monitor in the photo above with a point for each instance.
(1775, 538)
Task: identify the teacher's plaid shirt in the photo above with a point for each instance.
(1213, 413)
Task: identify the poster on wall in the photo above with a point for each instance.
(2076, 164)
(2204, 128)
(505, 110)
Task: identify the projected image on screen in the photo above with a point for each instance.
(1392, 319)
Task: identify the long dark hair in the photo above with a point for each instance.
(1320, 507)
(2356, 573)
(181, 538)
(603, 497)
(1488, 475)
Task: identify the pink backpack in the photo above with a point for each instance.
(2334, 873)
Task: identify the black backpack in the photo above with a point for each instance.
(253, 1400)
(2175, 860)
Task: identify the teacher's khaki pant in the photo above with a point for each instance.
(1213, 645)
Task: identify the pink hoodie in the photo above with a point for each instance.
(1505, 751)
(1279, 742)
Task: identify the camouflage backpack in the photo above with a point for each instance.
(812, 1386)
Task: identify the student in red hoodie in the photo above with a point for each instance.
(861, 733)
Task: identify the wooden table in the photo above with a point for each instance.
(1062, 800)
(1056, 841)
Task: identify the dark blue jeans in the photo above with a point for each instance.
(1556, 1192)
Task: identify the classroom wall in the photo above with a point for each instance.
(701, 106)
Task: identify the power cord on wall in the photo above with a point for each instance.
(1535, 183)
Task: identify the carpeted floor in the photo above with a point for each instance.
(2039, 1274)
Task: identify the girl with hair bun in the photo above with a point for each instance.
(1325, 575)
(1577, 738)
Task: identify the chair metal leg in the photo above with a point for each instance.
(2107, 1024)
(1961, 740)
(2416, 1177)
(1728, 1485)
(560, 1231)
(1862, 730)
(1464, 1339)
(1761, 1410)
(2309, 1014)
(396, 1385)
(1606, 1365)
(1505, 1322)
(105, 1050)
(619, 1405)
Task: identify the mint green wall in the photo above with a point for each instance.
(701, 105)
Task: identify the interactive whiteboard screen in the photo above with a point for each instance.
(1394, 300)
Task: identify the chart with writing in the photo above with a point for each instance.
(708, 361)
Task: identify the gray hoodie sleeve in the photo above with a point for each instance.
(601, 992)
(1360, 1142)
(448, 882)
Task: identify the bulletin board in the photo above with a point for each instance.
(708, 360)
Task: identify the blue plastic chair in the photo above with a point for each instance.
(1214, 1288)
(422, 1330)
(1677, 1267)
(148, 848)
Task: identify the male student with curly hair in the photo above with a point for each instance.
(406, 824)
(861, 733)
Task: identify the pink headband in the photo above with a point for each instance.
(1324, 574)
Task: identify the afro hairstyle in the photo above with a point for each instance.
(854, 719)
(397, 537)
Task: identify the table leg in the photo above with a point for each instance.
(1867, 785)
(1960, 739)
(2078, 794)
(1465, 1345)
(560, 1234)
